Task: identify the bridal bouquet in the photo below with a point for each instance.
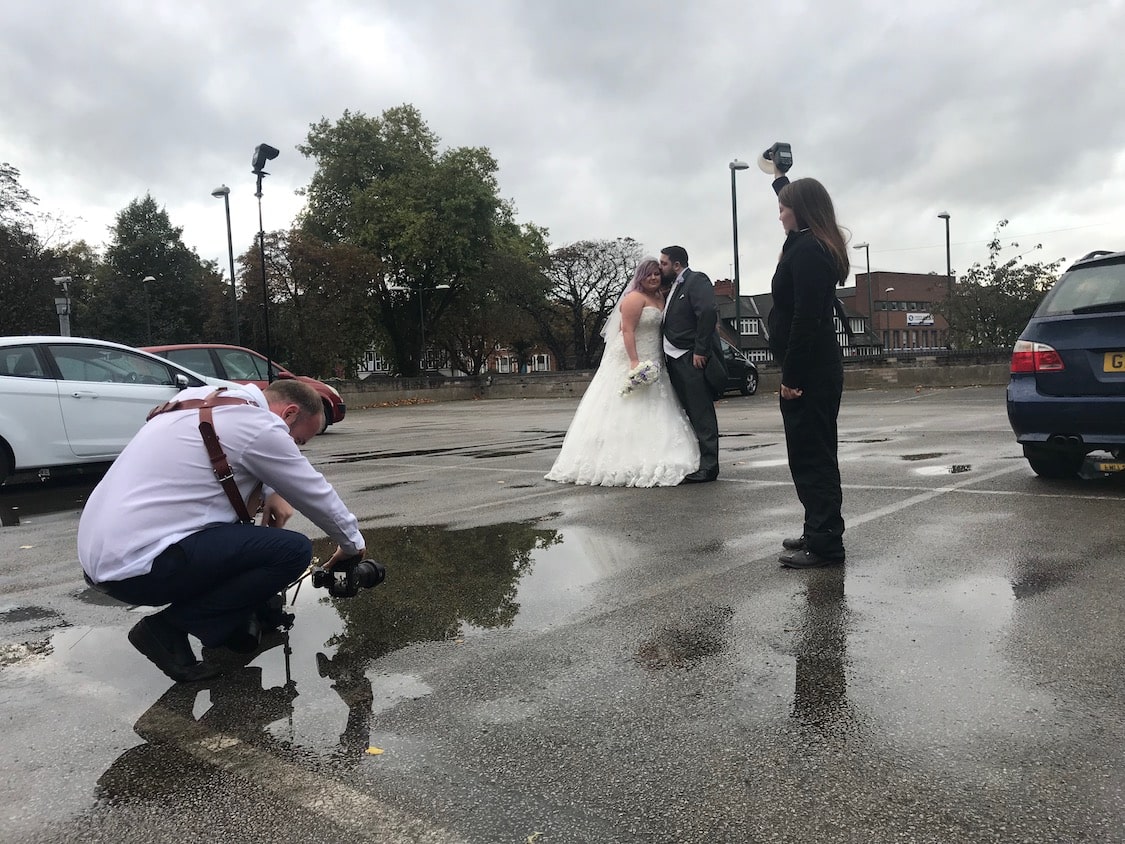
(641, 375)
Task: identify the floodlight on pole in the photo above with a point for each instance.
(224, 192)
(735, 166)
(262, 154)
(62, 304)
(148, 310)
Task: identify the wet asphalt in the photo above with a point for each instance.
(548, 663)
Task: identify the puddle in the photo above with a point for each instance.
(927, 456)
(878, 440)
(488, 454)
(19, 503)
(389, 485)
(955, 469)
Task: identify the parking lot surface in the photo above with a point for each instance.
(551, 663)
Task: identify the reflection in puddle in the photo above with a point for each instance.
(19, 502)
(955, 469)
(927, 456)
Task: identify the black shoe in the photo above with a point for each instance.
(798, 543)
(272, 615)
(699, 478)
(169, 650)
(806, 559)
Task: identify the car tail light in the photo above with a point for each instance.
(1035, 357)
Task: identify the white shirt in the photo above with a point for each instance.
(670, 350)
(162, 488)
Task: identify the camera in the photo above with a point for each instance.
(781, 155)
(348, 576)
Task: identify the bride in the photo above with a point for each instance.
(623, 436)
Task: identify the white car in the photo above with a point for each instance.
(69, 401)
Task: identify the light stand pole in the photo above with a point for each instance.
(148, 310)
(866, 247)
(735, 166)
(224, 192)
(262, 154)
(62, 304)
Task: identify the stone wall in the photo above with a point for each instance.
(375, 391)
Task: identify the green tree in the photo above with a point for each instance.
(586, 278)
(992, 303)
(427, 218)
(25, 269)
(185, 301)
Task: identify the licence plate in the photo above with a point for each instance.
(1103, 466)
(1114, 362)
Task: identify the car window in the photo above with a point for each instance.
(21, 361)
(1084, 288)
(98, 363)
(242, 366)
(197, 360)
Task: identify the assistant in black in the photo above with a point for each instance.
(803, 341)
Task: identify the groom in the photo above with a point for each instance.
(690, 328)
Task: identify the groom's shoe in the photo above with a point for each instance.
(699, 478)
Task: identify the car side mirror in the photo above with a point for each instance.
(181, 380)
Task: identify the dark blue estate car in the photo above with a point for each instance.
(1066, 394)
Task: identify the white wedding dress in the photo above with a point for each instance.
(641, 439)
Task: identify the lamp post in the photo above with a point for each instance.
(735, 166)
(887, 290)
(944, 215)
(148, 310)
(62, 304)
(421, 317)
(262, 154)
(224, 192)
(866, 247)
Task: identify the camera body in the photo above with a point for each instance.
(348, 576)
(781, 154)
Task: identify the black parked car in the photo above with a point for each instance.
(742, 374)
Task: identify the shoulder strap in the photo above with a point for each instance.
(219, 464)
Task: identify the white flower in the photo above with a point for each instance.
(644, 373)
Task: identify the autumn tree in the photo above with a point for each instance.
(586, 279)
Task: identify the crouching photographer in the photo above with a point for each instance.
(171, 522)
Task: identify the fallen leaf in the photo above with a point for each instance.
(374, 751)
(531, 839)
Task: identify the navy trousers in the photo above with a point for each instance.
(810, 439)
(214, 579)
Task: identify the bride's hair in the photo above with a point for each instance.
(645, 268)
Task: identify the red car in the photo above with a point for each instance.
(245, 366)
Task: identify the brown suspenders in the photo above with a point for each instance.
(219, 464)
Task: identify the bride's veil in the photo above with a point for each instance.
(613, 322)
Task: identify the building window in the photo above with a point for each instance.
(748, 327)
(541, 363)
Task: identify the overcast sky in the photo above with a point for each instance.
(608, 118)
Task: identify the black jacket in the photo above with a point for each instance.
(690, 319)
(802, 332)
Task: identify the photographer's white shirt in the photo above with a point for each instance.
(161, 488)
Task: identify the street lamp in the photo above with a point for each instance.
(62, 304)
(398, 288)
(735, 166)
(866, 247)
(224, 192)
(944, 215)
(262, 154)
(148, 310)
(888, 329)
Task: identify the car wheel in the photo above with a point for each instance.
(327, 417)
(1053, 464)
(750, 385)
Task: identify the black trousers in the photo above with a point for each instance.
(810, 439)
(214, 579)
(695, 396)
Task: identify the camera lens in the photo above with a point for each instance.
(369, 573)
